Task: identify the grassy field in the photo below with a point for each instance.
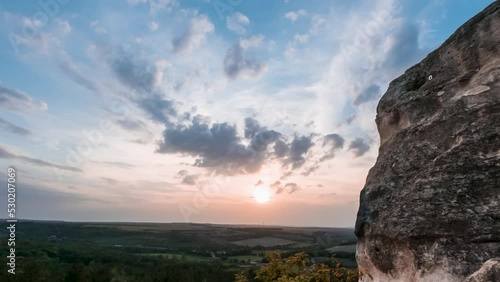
(346, 248)
(264, 241)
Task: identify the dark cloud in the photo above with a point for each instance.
(7, 125)
(370, 93)
(134, 72)
(16, 100)
(332, 142)
(218, 145)
(359, 147)
(252, 126)
(292, 187)
(160, 109)
(280, 148)
(190, 179)
(298, 149)
(260, 182)
(143, 77)
(4, 154)
(289, 187)
(237, 63)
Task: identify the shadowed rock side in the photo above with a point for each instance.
(430, 209)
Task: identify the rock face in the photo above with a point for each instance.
(430, 209)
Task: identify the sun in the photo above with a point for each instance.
(262, 195)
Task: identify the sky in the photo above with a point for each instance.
(209, 111)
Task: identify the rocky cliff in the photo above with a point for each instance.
(430, 209)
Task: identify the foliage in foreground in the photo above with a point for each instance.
(297, 268)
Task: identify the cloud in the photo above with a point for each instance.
(215, 146)
(370, 93)
(359, 147)
(294, 15)
(136, 72)
(289, 187)
(280, 148)
(159, 108)
(70, 69)
(62, 26)
(298, 149)
(135, 2)
(260, 182)
(238, 62)
(332, 142)
(131, 124)
(115, 164)
(237, 22)
(7, 125)
(17, 100)
(190, 179)
(403, 46)
(4, 154)
(144, 77)
(153, 26)
(194, 36)
(218, 146)
(97, 27)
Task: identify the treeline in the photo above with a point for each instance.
(82, 263)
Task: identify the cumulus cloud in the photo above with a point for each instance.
(294, 15)
(332, 142)
(4, 154)
(297, 151)
(239, 62)
(194, 36)
(12, 128)
(215, 146)
(237, 22)
(17, 100)
(359, 147)
(219, 147)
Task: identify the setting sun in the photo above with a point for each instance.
(262, 195)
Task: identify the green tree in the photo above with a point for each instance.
(297, 268)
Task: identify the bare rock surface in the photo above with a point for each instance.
(430, 209)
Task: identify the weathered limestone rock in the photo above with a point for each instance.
(430, 209)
